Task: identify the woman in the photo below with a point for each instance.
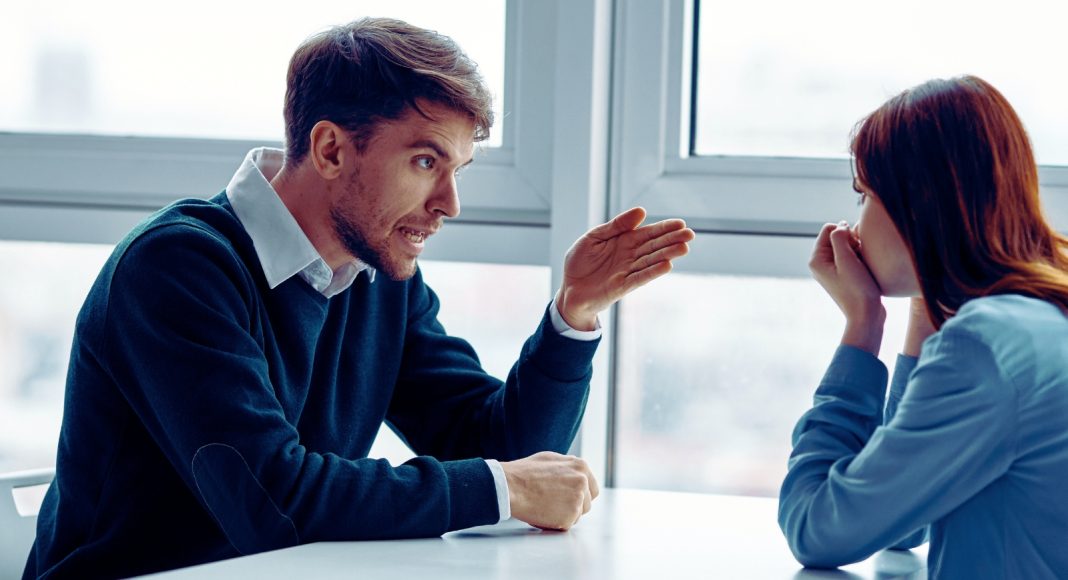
(974, 446)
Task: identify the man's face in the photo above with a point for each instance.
(401, 188)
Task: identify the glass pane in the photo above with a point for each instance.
(715, 371)
(200, 68)
(44, 287)
(495, 307)
(792, 78)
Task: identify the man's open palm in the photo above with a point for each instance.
(614, 258)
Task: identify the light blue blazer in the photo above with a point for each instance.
(971, 448)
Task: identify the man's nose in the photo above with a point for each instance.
(446, 198)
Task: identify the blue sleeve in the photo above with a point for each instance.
(447, 406)
(903, 367)
(854, 487)
(183, 349)
(898, 383)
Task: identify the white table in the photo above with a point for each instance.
(629, 534)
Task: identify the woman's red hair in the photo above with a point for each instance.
(953, 165)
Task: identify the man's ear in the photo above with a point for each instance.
(327, 152)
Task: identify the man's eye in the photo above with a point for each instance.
(425, 162)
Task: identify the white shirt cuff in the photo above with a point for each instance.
(562, 327)
(504, 504)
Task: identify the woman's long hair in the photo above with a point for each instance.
(952, 164)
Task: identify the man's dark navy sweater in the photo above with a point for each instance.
(208, 416)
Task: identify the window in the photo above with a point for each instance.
(797, 90)
(192, 69)
(44, 287)
(711, 367)
(713, 373)
(748, 144)
(494, 307)
(775, 100)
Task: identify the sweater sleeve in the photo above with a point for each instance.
(898, 382)
(447, 406)
(180, 341)
(853, 487)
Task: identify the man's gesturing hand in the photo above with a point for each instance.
(548, 490)
(614, 258)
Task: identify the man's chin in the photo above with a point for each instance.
(399, 272)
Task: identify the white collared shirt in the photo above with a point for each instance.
(285, 251)
(281, 246)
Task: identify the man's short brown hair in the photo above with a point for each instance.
(375, 69)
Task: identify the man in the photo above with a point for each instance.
(236, 357)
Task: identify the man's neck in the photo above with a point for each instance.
(307, 199)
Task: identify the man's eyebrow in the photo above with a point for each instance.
(433, 145)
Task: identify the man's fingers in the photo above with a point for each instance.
(620, 224)
(662, 255)
(595, 489)
(666, 239)
(640, 278)
(652, 231)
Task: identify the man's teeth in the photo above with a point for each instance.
(413, 236)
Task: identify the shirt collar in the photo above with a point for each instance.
(281, 246)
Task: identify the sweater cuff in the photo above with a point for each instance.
(559, 357)
(472, 494)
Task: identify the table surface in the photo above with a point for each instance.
(629, 534)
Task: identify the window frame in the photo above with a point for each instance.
(746, 195)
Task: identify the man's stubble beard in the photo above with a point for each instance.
(355, 240)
